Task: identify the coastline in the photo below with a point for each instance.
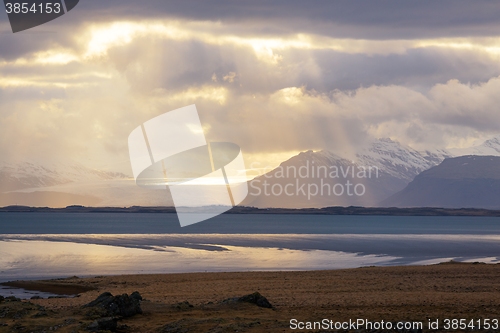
(333, 210)
(446, 290)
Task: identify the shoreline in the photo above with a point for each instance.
(332, 210)
(53, 286)
(75, 285)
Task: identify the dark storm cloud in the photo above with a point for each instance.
(51, 35)
(150, 65)
(417, 68)
(13, 46)
(382, 19)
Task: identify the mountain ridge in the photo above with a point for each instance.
(464, 181)
(397, 166)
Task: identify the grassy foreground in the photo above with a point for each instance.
(195, 302)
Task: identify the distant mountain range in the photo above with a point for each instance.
(380, 174)
(397, 166)
(54, 184)
(378, 171)
(460, 182)
(20, 176)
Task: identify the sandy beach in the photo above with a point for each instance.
(198, 302)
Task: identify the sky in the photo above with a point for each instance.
(275, 78)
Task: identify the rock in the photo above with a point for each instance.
(69, 321)
(102, 298)
(104, 324)
(36, 297)
(1, 299)
(12, 299)
(40, 314)
(256, 298)
(121, 305)
(175, 327)
(136, 295)
(183, 305)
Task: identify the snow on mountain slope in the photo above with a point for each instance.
(397, 166)
(391, 157)
(18, 176)
(390, 167)
(489, 147)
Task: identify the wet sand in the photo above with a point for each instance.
(405, 293)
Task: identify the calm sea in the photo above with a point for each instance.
(157, 223)
(43, 245)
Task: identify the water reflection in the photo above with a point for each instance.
(39, 256)
(25, 259)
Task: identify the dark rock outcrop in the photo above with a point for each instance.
(12, 299)
(183, 305)
(255, 298)
(104, 324)
(121, 305)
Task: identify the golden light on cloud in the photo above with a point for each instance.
(290, 96)
(7, 82)
(215, 94)
(490, 46)
(245, 68)
(101, 38)
(116, 34)
(53, 57)
(60, 81)
(50, 57)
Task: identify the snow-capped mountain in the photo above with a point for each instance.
(396, 165)
(320, 179)
(399, 161)
(27, 175)
(490, 147)
(59, 184)
(404, 162)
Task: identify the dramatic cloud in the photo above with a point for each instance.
(274, 78)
